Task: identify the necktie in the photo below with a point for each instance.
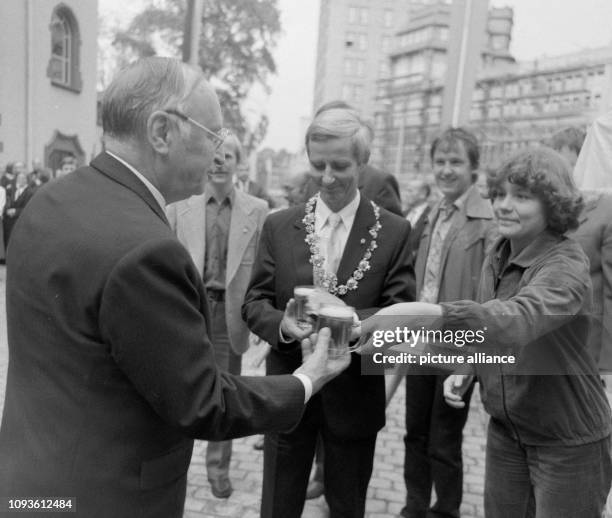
(334, 251)
(431, 280)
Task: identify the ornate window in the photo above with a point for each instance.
(63, 69)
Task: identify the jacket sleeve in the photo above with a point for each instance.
(259, 309)
(152, 316)
(553, 297)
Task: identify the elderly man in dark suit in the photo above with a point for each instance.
(111, 373)
(359, 252)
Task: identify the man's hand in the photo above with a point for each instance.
(289, 326)
(454, 388)
(318, 366)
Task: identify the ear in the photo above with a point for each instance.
(160, 131)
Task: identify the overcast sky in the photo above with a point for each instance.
(541, 27)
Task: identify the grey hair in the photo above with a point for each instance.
(336, 123)
(149, 84)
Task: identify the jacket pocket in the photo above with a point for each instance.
(163, 470)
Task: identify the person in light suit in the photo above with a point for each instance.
(111, 373)
(220, 230)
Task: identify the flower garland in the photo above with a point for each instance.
(329, 280)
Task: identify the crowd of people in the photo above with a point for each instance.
(136, 284)
(17, 187)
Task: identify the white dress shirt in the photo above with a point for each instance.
(323, 229)
(152, 189)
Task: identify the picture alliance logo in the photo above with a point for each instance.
(457, 337)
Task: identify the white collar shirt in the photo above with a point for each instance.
(152, 189)
(323, 229)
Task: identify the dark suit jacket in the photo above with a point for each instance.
(110, 371)
(380, 187)
(353, 405)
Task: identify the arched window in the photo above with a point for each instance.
(64, 69)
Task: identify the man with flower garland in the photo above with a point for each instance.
(364, 259)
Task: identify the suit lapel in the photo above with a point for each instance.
(241, 230)
(358, 240)
(108, 166)
(191, 228)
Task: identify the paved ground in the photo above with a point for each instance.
(386, 493)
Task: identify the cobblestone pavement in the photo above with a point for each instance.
(386, 492)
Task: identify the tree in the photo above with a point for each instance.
(235, 50)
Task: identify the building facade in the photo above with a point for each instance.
(514, 104)
(48, 52)
(355, 37)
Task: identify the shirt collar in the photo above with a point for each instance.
(459, 203)
(152, 189)
(531, 253)
(208, 195)
(347, 213)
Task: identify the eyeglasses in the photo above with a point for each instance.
(216, 138)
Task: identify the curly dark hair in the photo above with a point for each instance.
(546, 174)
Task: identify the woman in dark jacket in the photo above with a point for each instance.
(548, 444)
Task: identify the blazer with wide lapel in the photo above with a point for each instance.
(188, 218)
(463, 250)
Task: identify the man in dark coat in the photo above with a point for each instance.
(111, 374)
(361, 254)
